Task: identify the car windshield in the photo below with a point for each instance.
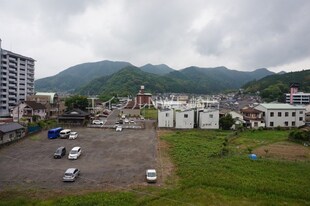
(58, 150)
(73, 152)
(151, 174)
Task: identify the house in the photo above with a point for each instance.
(143, 98)
(10, 132)
(30, 111)
(209, 119)
(74, 117)
(253, 118)
(184, 119)
(238, 118)
(283, 115)
(165, 118)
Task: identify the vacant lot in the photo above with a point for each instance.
(109, 159)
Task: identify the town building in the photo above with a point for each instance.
(143, 98)
(11, 132)
(298, 98)
(16, 80)
(184, 119)
(29, 111)
(165, 118)
(209, 119)
(282, 115)
(253, 117)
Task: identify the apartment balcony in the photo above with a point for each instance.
(12, 90)
(13, 85)
(13, 70)
(12, 59)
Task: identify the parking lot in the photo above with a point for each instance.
(109, 159)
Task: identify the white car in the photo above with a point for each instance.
(73, 135)
(71, 174)
(142, 118)
(132, 121)
(119, 128)
(75, 153)
(126, 120)
(150, 175)
(98, 122)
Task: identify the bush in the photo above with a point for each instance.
(298, 135)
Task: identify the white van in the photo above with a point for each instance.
(65, 133)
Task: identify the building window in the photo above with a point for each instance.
(271, 114)
(279, 114)
(300, 112)
(185, 115)
(286, 124)
(286, 114)
(293, 123)
(293, 114)
(255, 124)
(167, 114)
(271, 124)
(210, 115)
(301, 118)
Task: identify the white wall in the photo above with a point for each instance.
(209, 119)
(184, 119)
(165, 118)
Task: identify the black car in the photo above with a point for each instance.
(61, 151)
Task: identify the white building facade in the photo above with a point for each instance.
(16, 79)
(209, 119)
(184, 119)
(299, 98)
(165, 118)
(282, 115)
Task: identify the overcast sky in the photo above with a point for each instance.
(238, 34)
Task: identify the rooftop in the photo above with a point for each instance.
(281, 106)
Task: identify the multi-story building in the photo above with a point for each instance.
(282, 115)
(298, 98)
(16, 79)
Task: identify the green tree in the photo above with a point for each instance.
(76, 101)
(226, 122)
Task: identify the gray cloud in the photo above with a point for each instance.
(241, 34)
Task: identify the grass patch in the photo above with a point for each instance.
(149, 113)
(34, 137)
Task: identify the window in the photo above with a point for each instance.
(300, 112)
(286, 124)
(255, 124)
(293, 123)
(293, 114)
(167, 114)
(301, 118)
(279, 114)
(185, 115)
(286, 114)
(271, 114)
(210, 115)
(271, 124)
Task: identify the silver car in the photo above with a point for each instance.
(71, 174)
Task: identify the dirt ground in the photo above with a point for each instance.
(109, 160)
(284, 150)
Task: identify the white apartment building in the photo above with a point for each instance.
(165, 118)
(283, 115)
(209, 119)
(184, 119)
(16, 80)
(298, 98)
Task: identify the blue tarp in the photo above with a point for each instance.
(253, 156)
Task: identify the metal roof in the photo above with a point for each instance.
(281, 106)
(5, 128)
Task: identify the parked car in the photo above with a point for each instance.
(98, 122)
(142, 118)
(60, 152)
(73, 135)
(71, 174)
(119, 128)
(75, 153)
(150, 175)
(126, 120)
(132, 121)
(65, 133)
(121, 121)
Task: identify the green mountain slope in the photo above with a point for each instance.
(273, 87)
(160, 69)
(76, 76)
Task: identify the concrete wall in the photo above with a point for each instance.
(209, 119)
(165, 118)
(184, 119)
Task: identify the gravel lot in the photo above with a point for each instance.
(109, 159)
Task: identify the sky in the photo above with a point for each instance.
(240, 34)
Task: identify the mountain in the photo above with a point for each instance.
(76, 76)
(273, 87)
(159, 78)
(160, 69)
